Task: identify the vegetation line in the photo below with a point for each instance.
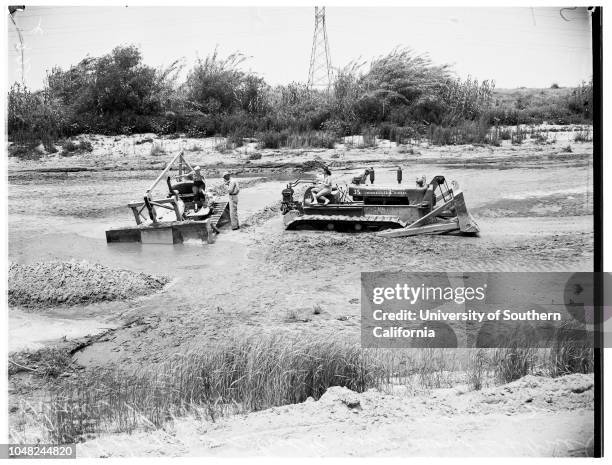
(401, 96)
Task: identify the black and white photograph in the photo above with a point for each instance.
(302, 231)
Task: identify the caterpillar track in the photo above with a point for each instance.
(342, 223)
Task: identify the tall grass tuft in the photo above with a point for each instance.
(571, 352)
(583, 136)
(477, 369)
(516, 354)
(464, 132)
(240, 376)
(296, 139)
(245, 375)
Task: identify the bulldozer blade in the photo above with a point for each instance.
(463, 222)
(434, 228)
(467, 224)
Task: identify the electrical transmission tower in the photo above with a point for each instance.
(320, 72)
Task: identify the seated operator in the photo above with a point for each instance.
(323, 188)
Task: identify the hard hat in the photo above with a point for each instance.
(197, 168)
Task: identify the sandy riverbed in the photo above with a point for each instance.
(533, 203)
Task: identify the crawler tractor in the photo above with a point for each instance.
(396, 211)
(179, 216)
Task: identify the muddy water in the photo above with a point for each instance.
(65, 216)
(68, 215)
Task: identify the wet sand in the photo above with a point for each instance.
(531, 220)
(535, 215)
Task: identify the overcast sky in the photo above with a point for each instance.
(531, 47)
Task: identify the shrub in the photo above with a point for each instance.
(25, 152)
(583, 136)
(33, 117)
(70, 147)
(272, 140)
(399, 96)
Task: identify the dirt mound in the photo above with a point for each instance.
(71, 283)
(446, 422)
(568, 392)
(531, 393)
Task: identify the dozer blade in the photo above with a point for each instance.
(467, 224)
(430, 224)
(434, 228)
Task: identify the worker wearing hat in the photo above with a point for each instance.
(232, 191)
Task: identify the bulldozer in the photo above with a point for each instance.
(184, 213)
(390, 210)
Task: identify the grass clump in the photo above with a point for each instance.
(44, 363)
(71, 147)
(296, 139)
(477, 369)
(246, 375)
(513, 362)
(157, 150)
(571, 352)
(239, 376)
(583, 136)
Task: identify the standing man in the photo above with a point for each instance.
(232, 190)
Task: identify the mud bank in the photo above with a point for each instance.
(533, 416)
(42, 285)
(130, 153)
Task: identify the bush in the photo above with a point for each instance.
(583, 136)
(272, 140)
(70, 147)
(399, 96)
(33, 117)
(25, 152)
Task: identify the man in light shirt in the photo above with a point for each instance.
(232, 190)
